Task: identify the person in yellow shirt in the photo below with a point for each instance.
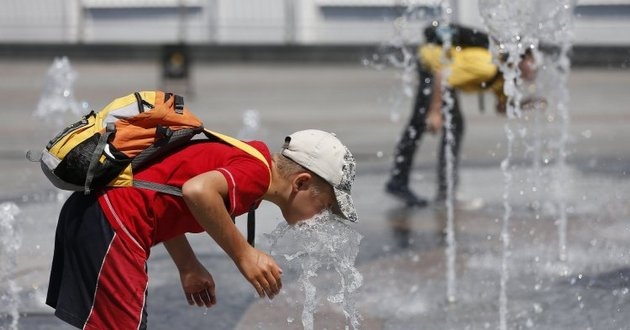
(470, 69)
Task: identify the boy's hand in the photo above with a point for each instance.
(261, 271)
(198, 286)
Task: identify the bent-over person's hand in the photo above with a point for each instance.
(261, 271)
(534, 103)
(434, 121)
(198, 286)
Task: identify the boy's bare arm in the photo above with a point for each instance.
(197, 283)
(180, 251)
(206, 196)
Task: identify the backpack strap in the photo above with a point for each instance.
(487, 85)
(251, 226)
(163, 188)
(98, 152)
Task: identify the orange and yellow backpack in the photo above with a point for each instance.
(105, 148)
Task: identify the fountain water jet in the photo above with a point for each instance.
(323, 242)
(10, 243)
(398, 55)
(251, 128)
(447, 106)
(57, 103)
(515, 27)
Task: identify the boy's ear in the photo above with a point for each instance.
(301, 181)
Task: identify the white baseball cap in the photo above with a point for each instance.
(323, 154)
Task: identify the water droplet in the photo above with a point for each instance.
(529, 323)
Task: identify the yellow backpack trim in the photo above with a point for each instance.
(124, 179)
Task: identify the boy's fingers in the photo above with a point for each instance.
(259, 289)
(205, 297)
(189, 298)
(266, 287)
(213, 296)
(279, 283)
(273, 281)
(199, 299)
(277, 273)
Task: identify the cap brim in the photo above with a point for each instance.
(346, 205)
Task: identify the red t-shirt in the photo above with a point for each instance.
(150, 217)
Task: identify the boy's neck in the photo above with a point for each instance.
(277, 187)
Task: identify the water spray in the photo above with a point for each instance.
(515, 28)
(10, 243)
(324, 242)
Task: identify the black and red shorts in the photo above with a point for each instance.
(98, 278)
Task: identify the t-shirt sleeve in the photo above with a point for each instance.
(248, 180)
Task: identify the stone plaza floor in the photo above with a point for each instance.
(402, 254)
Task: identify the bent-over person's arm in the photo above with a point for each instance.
(197, 283)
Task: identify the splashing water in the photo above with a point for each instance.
(57, 100)
(251, 125)
(397, 53)
(321, 243)
(515, 27)
(448, 104)
(10, 243)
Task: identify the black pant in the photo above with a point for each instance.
(406, 147)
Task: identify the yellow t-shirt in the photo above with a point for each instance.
(471, 67)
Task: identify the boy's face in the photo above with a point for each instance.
(303, 202)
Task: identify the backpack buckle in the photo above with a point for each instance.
(162, 133)
(179, 104)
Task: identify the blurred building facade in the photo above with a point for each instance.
(264, 22)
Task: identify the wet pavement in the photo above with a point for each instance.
(402, 254)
